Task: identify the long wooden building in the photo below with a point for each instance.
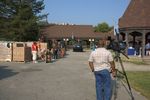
(84, 33)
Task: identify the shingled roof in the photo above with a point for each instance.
(54, 31)
(67, 31)
(137, 15)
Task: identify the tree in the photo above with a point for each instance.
(20, 18)
(103, 27)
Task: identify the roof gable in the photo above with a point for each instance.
(137, 14)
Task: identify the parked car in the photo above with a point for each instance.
(77, 48)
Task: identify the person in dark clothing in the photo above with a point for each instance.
(137, 48)
(55, 53)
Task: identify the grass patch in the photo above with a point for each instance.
(140, 81)
(134, 59)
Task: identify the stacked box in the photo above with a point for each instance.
(5, 51)
(43, 45)
(17, 51)
(21, 52)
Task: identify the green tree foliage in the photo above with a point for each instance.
(103, 27)
(19, 19)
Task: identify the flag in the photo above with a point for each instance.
(116, 31)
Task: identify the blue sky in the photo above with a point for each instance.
(85, 12)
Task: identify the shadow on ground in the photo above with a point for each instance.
(5, 73)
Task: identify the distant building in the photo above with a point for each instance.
(66, 32)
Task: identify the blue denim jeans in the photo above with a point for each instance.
(103, 84)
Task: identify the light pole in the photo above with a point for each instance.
(72, 39)
(91, 43)
(66, 40)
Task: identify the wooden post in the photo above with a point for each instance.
(127, 42)
(143, 44)
(134, 38)
(123, 37)
(11, 46)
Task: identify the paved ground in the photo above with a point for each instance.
(68, 78)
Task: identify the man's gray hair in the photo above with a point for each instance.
(101, 43)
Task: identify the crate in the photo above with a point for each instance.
(5, 51)
(43, 45)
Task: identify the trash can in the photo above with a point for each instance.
(131, 51)
(21, 53)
